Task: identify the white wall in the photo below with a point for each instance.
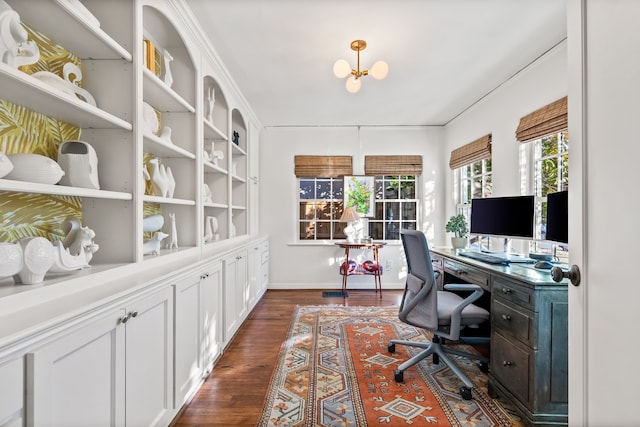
(313, 266)
(499, 113)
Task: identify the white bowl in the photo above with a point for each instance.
(5, 165)
(34, 168)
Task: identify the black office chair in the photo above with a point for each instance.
(444, 313)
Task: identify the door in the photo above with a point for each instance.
(604, 201)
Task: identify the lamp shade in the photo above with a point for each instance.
(353, 84)
(341, 68)
(379, 70)
(350, 215)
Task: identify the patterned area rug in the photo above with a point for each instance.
(334, 370)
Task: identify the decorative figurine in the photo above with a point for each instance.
(152, 246)
(15, 49)
(173, 241)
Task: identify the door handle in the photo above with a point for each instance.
(573, 274)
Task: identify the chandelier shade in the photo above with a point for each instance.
(342, 69)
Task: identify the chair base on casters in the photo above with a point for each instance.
(438, 351)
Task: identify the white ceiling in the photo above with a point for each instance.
(443, 55)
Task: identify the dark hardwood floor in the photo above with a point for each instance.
(234, 392)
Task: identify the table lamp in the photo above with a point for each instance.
(350, 216)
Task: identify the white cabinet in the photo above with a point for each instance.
(212, 316)
(12, 393)
(258, 271)
(198, 331)
(116, 370)
(235, 292)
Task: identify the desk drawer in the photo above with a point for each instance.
(510, 364)
(512, 323)
(467, 273)
(511, 291)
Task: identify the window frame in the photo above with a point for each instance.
(463, 203)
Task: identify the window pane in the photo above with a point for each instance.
(409, 225)
(380, 211)
(477, 168)
(323, 189)
(307, 210)
(408, 190)
(323, 210)
(323, 230)
(306, 189)
(337, 208)
(487, 165)
(338, 188)
(393, 231)
(391, 190)
(376, 230)
(393, 211)
(549, 172)
(477, 188)
(409, 210)
(564, 184)
(306, 230)
(338, 232)
(549, 145)
(488, 187)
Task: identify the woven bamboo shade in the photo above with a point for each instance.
(471, 152)
(323, 166)
(544, 121)
(392, 165)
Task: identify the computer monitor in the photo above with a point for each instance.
(558, 217)
(503, 216)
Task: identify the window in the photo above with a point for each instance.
(550, 173)
(320, 203)
(475, 181)
(396, 206)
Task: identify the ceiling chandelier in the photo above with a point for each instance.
(341, 68)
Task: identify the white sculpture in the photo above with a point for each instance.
(215, 155)
(15, 49)
(11, 259)
(173, 241)
(152, 246)
(168, 77)
(207, 195)
(79, 239)
(210, 101)
(152, 223)
(72, 75)
(171, 183)
(34, 168)
(165, 134)
(5, 165)
(79, 161)
(38, 259)
(158, 177)
(211, 229)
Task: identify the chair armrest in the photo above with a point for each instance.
(462, 287)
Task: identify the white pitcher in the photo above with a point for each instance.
(79, 161)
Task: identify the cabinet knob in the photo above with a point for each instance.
(506, 363)
(506, 317)
(125, 318)
(461, 272)
(204, 276)
(134, 314)
(506, 290)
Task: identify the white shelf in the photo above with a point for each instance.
(60, 190)
(237, 151)
(161, 96)
(216, 205)
(79, 36)
(167, 201)
(211, 168)
(212, 132)
(29, 92)
(237, 179)
(156, 145)
(238, 208)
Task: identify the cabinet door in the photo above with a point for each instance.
(235, 283)
(254, 272)
(12, 393)
(149, 360)
(212, 319)
(78, 379)
(188, 366)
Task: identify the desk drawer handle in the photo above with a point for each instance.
(506, 317)
(506, 363)
(461, 272)
(506, 290)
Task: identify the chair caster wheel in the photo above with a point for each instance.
(484, 367)
(391, 348)
(435, 359)
(398, 376)
(465, 392)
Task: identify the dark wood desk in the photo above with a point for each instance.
(529, 338)
(373, 268)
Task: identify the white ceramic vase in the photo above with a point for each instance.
(11, 259)
(79, 161)
(459, 242)
(152, 223)
(38, 258)
(34, 168)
